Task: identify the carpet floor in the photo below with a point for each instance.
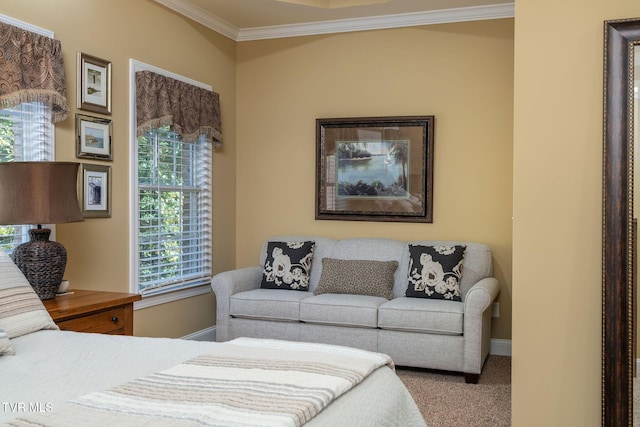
(445, 400)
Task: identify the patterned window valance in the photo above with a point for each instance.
(190, 110)
(31, 70)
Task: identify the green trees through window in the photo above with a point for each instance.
(173, 189)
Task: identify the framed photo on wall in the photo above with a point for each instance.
(93, 138)
(95, 188)
(375, 169)
(94, 84)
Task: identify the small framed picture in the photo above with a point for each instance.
(95, 188)
(93, 138)
(94, 84)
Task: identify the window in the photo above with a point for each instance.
(26, 134)
(171, 200)
(174, 199)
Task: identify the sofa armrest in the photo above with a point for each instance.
(477, 323)
(226, 284)
(481, 295)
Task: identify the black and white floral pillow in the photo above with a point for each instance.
(435, 271)
(288, 265)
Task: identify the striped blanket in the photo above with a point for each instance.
(247, 382)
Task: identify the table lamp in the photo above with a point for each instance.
(40, 193)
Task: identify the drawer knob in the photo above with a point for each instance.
(114, 319)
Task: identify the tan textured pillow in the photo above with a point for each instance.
(21, 311)
(357, 277)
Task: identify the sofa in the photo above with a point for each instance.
(382, 295)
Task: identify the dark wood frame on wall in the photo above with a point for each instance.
(617, 288)
(408, 141)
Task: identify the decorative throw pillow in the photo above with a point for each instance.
(21, 311)
(435, 271)
(357, 277)
(5, 345)
(288, 265)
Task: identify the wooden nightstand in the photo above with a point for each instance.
(93, 311)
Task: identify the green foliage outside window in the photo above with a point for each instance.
(167, 197)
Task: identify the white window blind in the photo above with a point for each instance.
(174, 212)
(26, 134)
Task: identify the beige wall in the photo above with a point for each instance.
(116, 30)
(557, 165)
(460, 73)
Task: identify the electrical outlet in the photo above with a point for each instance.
(495, 309)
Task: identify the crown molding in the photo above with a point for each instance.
(444, 16)
(380, 22)
(203, 17)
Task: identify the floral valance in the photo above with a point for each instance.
(31, 70)
(189, 110)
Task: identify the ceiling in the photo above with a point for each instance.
(243, 20)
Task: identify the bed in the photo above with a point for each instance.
(52, 377)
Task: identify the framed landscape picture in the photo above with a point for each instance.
(95, 188)
(375, 169)
(93, 138)
(94, 84)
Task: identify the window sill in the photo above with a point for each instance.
(163, 298)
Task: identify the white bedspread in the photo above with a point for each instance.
(51, 367)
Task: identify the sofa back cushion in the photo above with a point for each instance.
(374, 249)
(476, 265)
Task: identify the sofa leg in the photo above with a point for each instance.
(471, 378)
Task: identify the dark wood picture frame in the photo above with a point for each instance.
(620, 37)
(375, 169)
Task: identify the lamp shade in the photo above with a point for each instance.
(39, 193)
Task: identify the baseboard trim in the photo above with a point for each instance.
(208, 334)
(500, 347)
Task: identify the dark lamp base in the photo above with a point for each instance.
(42, 262)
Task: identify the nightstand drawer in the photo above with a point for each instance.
(93, 311)
(103, 322)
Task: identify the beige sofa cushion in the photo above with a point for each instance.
(341, 310)
(422, 315)
(268, 304)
